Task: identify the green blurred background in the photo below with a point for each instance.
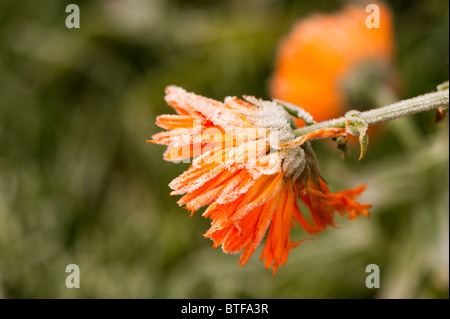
(79, 185)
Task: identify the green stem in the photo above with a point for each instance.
(399, 109)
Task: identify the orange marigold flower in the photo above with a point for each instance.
(251, 171)
(330, 61)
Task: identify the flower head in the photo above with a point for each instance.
(251, 171)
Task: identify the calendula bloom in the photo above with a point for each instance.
(331, 62)
(251, 171)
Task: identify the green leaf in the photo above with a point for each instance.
(356, 125)
(296, 111)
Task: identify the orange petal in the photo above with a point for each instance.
(320, 133)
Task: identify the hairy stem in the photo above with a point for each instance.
(399, 109)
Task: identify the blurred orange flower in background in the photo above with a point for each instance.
(331, 63)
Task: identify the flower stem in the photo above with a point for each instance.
(399, 109)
